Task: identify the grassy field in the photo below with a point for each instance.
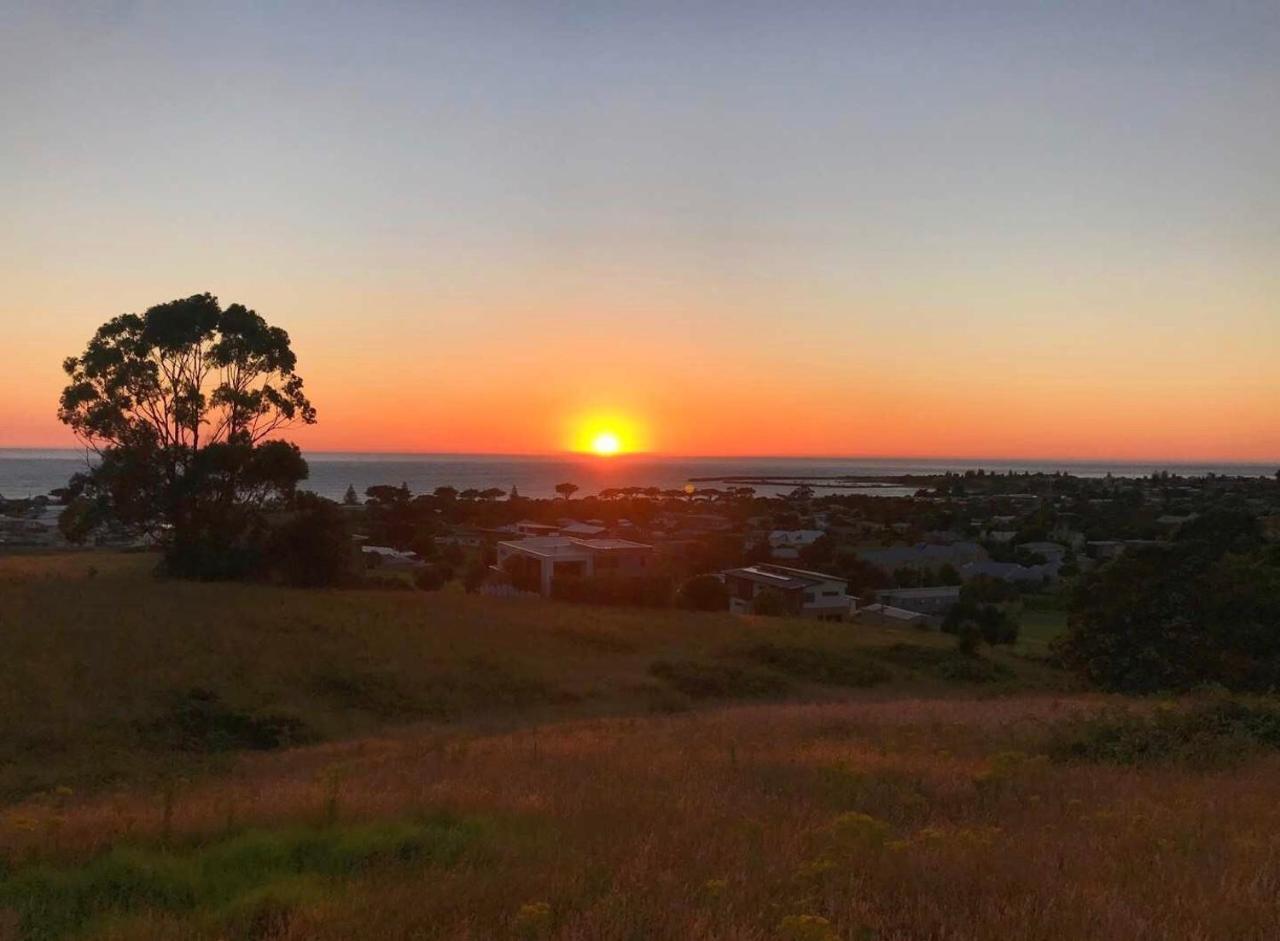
(216, 762)
(115, 675)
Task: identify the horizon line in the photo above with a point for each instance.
(661, 455)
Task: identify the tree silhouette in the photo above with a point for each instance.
(350, 498)
(566, 490)
(179, 403)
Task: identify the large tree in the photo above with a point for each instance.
(182, 405)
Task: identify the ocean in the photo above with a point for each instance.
(26, 473)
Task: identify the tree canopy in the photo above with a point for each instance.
(181, 404)
(185, 374)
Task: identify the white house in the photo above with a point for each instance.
(393, 559)
(936, 600)
(808, 594)
(537, 560)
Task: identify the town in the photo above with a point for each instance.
(996, 547)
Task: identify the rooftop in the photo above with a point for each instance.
(937, 591)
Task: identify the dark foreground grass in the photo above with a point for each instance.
(247, 885)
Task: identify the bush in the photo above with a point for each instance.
(994, 625)
(1178, 617)
(821, 666)
(253, 882)
(700, 680)
(199, 721)
(703, 593)
(313, 548)
(769, 603)
(951, 665)
(430, 578)
(642, 591)
(1206, 735)
(475, 576)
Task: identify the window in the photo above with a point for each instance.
(831, 594)
(810, 597)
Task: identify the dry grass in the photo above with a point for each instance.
(102, 660)
(913, 811)
(907, 820)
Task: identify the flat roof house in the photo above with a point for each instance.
(535, 561)
(808, 594)
(938, 600)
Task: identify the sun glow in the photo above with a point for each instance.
(604, 434)
(606, 443)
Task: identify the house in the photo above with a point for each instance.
(392, 560)
(937, 600)
(923, 556)
(787, 543)
(883, 615)
(808, 594)
(1011, 571)
(1051, 551)
(532, 528)
(579, 530)
(535, 561)
(797, 538)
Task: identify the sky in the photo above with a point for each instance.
(901, 229)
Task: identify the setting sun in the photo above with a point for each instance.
(605, 433)
(606, 443)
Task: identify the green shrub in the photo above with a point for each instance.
(199, 721)
(951, 665)
(376, 692)
(994, 625)
(837, 668)
(703, 593)
(1205, 735)
(313, 548)
(251, 882)
(1204, 609)
(431, 578)
(700, 680)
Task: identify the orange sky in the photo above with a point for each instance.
(1002, 230)
(488, 375)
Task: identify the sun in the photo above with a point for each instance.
(606, 443)
(604, 434)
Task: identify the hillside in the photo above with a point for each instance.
(198, 761)
(115, 676)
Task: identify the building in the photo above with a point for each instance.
(808, 594)
(937, 600)
(883, 615)
(1051, 551)
(533, 528)
(923, 555)
(533, 563)
(579, 530)
(794, 538)
(787, 543)
(392, 560)
(1012, 571)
